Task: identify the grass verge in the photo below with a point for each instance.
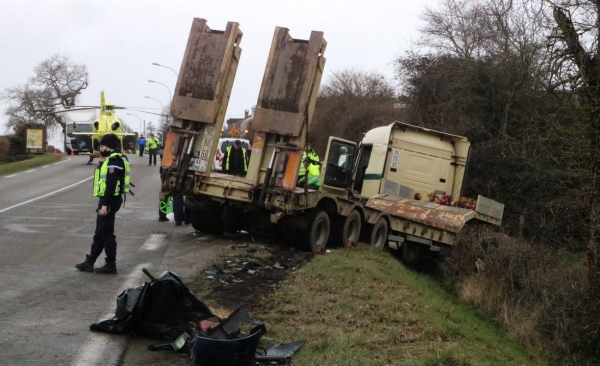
(33, 162)
(363, 307)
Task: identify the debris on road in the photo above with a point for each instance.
(166, 310)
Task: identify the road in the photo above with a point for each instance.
(47, 219)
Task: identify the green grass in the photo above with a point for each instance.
(33, 162)
(361, 306)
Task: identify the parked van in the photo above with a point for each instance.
(224, 143)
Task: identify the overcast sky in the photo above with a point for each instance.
(119, 40)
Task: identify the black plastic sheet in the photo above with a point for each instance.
(160, 310)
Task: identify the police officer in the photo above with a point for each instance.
(111, 181)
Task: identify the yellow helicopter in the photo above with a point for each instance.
(107, 123)
(83, 135)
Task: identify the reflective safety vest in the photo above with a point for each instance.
(313, 176)
(152, 143)
(312, 156)
(243, 157)
(100, 177)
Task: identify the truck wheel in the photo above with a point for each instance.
(318, 227)
(379, 234)
(207, 221)
(411, 253)
(351, 229)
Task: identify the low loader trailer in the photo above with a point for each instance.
(401, 186)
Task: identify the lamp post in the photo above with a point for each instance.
(162, 108)
(142, 131)
(152, 81)
(157, 64)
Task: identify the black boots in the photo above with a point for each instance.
(88, 266)
(107, 268)
(85, 266)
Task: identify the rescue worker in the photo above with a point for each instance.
(111, 181)
(235, 160)
(312, 155)
(152, 144)
(310, 179)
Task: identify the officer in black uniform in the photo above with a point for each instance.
(109, 185)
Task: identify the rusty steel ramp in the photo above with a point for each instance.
(201, 96)
(432, 214)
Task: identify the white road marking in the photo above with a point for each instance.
(100, 346)
(44, 196)
(23, 228)
(62, 161)
(45, 166)
(31, 170)
(9, 176)
(154, 242)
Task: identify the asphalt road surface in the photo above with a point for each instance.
(47, 219)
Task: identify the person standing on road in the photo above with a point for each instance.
(111, 181)
(235, 160)
(142, 145)
(152, 144)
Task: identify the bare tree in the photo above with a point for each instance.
(577, 58)
(458, 27)
(56, 84)
(351, 103)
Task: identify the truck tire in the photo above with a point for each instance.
(411, 253)
(379, 234)
(207, 221)
(351, 229)
(318, 227)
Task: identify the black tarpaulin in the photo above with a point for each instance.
(160, 309)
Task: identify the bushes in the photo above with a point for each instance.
(11, 148)
(539, 294)
(4, 147)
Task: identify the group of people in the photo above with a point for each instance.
(112, 183)
(310, 169)
(149, 145)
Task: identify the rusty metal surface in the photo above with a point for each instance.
(290, 83)
(428, 213)
(209, 58)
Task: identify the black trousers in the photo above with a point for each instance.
(151, 154)
(142, 147)
(104, 236)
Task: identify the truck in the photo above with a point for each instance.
(398, 188)
(79, 122)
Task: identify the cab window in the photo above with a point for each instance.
(340, 161)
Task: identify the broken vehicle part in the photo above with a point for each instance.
(280, 353)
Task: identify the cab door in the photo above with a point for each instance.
(339, 163)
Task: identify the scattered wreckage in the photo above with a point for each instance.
(166, 310)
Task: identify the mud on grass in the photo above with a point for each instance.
(245, 274)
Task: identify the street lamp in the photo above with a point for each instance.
(152, 81)
(141, 131)
(157, 64)
(162, 109)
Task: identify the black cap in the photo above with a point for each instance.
(110, 140)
